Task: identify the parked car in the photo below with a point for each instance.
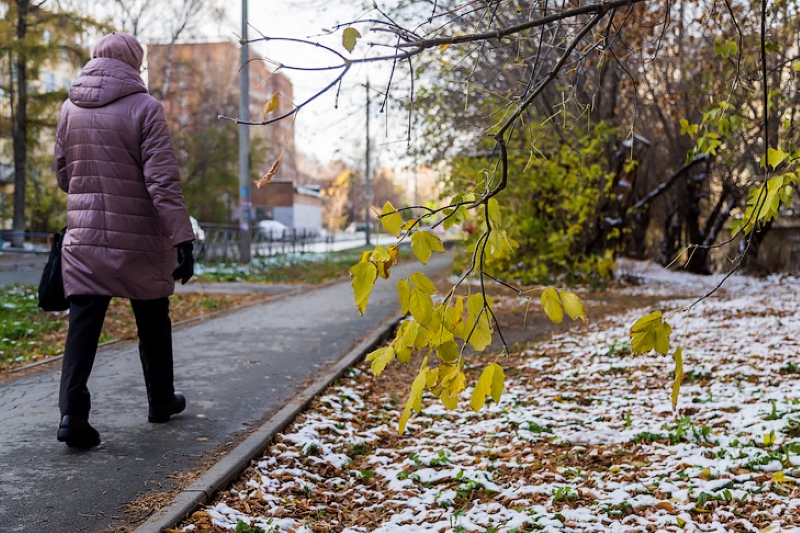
(272, 229)
(199, 233)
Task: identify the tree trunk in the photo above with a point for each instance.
(19, 133)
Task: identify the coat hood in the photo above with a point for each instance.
(113, 73)
(120, 46)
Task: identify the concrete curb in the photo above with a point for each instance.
(234, 463)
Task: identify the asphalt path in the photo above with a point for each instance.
(236, 370)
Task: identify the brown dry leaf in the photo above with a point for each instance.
(266, 178)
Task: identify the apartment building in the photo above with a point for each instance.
(199, 81)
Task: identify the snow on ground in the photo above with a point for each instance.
(584, 439)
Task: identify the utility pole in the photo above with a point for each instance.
(367, 192)
(244, 145)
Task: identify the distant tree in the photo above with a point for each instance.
(34, 35)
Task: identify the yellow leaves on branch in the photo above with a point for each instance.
(372, 264)
(491, 383)
(555, 302)
(650, 332)
(424, 243)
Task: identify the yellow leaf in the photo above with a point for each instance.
(489, 384)
(380, 358)
(448, 352)
(706, 473)
(643, 342)
(573, 306)
(349, 38)
(769, 438)
(449, 400)
(552, 305)
(403, 295)
(364, 276)
(662, 338)
(391, 220)
(477, 328)
(379, 254)
(406, 339)
(423, 337)
(676, 384)
(644, 323)
(272, 104)
(498, 383)
(780, 477)
(443, 47)
(415, 397)
(423, 243)
(423, 283)
(481, 335)
(420, 305)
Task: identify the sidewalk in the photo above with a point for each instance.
(237, 371)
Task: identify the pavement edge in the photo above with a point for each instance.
(237, 460)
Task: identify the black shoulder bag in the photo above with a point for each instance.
(51, 286)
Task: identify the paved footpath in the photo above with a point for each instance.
(237, 371)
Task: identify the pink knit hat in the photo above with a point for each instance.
(120, 46)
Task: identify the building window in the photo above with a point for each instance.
(49, 82)
(182, 101)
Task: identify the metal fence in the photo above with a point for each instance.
(33, 242)
(222, 242)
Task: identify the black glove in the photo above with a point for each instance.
(185, 269)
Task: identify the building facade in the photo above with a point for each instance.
(198, 82)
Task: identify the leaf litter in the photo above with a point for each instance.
(584, 438)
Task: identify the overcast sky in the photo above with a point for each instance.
(322, 130)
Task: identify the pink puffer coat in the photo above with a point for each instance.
(115, 159)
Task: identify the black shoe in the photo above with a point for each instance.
(159, 415)
(77, 432)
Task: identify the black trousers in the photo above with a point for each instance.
(86, 316)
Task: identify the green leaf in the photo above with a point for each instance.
(364, 276)
(494, 212)
(423, 243)
(689, 129)
(349, 38)
(676, 384)
(552, 305)
(573, 306)
(775, 157)
(391, 220)
(423, 283)
(490, 383)
(380, 358)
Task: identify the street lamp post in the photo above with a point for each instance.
(245, 203)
